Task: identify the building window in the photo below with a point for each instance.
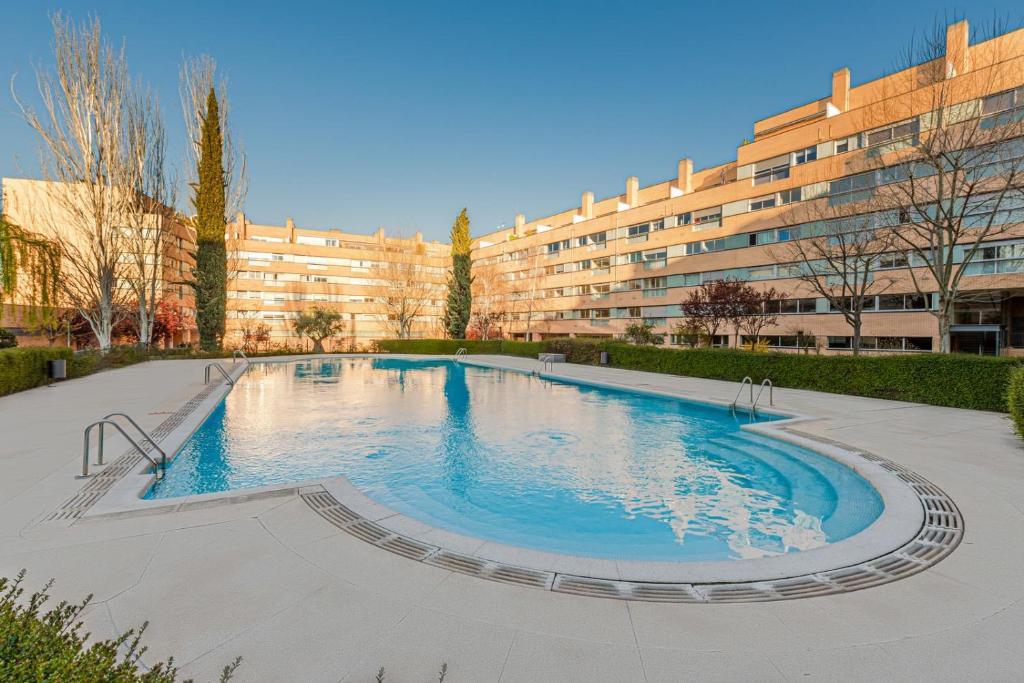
(993, 104)
(790, 196)
(769, 175)
(684, 218)
(805, 155)
(637, 230)
(892, 133)
(762, 202)
(708, 218)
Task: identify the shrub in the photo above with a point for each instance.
(641, 333)
(1015, 399)
(50, 646)
(25, 368)
(7, 339)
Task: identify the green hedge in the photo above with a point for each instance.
(24, 368)
(450, 346)
(955, 380)
(1015, 399)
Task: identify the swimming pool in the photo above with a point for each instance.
(508, 457)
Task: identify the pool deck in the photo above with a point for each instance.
(269, 579)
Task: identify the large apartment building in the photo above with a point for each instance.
(47, 209)
(378, 283)
(602, 265)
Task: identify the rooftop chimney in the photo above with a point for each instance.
(520, 222)
(841, 89)
(684, 179)
(632, 191)
(958, 51)
(587, 205)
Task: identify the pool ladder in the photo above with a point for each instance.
(747, 381)
(221, 370)
(159, 467)
(239, 352)
(460, 353)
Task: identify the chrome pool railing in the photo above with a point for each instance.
(460, 353)
(236, 353)
(158, 467)
(220, 368)
(747, 381)
(771, 393)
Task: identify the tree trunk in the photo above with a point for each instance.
(944, 324)
(856, 338)
(318, 346)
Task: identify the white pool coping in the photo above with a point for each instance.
(899, 523)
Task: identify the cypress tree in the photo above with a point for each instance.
(460, 298)
(211, 254)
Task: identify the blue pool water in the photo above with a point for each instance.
(512, 458)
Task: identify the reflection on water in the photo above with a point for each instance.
(524, 461)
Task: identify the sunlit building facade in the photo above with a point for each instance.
(595, 269)
(279, 272)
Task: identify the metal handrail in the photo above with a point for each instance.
(158, 467)
(139, 429)
(461, 352)
(771, 393)
(746, 380)
(227, 377)
(236, 353)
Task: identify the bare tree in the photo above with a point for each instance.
(81, 125)
(838, 258)
(407, 291)
(711, 307)
(489, 300)
(954, 158)
(753, 310)
(148, 216)
(528, 298)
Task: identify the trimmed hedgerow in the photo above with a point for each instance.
(954, 380)
(1015, 399)
(24, 368)
(450, 346)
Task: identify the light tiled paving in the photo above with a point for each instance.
(273, 581)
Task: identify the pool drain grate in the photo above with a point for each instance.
(940, 534)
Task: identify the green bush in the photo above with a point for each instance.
(8, 340)
(1015, 399)
(50, 646)
(24, 368)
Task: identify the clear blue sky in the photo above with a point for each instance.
(398, 114)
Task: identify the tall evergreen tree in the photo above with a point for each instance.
(210, 281)
(460, 299)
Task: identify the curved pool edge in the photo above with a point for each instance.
(919, 526)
